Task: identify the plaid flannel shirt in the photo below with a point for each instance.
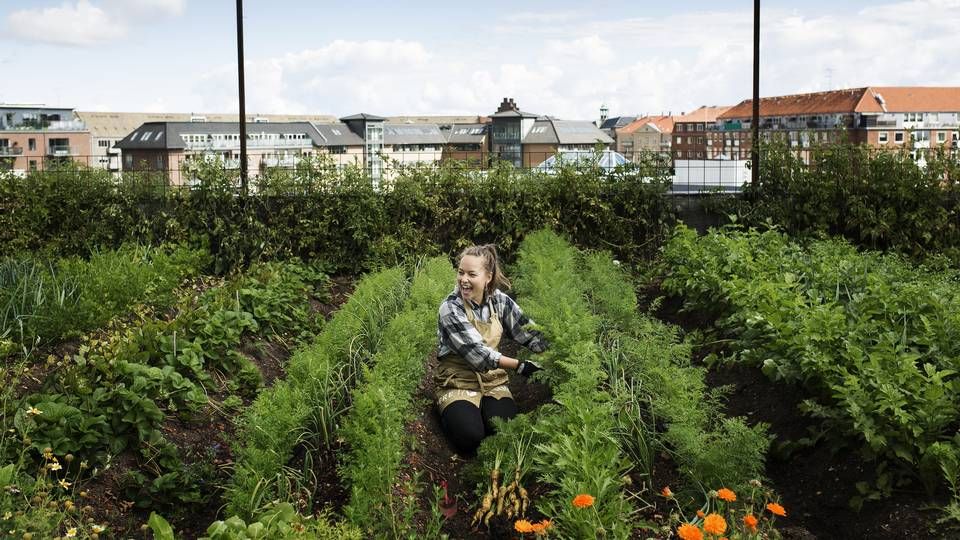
(458, 336)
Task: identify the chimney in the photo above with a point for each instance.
(507, 105)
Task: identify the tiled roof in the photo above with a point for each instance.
(578, 132)
(168, 135)
(911, 99)
(664, 124)
(873, 99)
(120, 124)
(705, 113)
(466, 133)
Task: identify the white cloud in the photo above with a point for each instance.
(69, 24)
(591, 49)
(83, 23)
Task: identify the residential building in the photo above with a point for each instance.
(34, 137)
(171, 146)
(644, 135)
(467, 143)
(108, 128)
(917, 119)
(612, 126)
(527, 139)
(690, 140)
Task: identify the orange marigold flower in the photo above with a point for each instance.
(700, 513)
(714, 524)
(539, 528)
(751, 522)
(689, 532)
(523, 526)
(666, 492)
(726, 494)
(776, 509)
(583, 500)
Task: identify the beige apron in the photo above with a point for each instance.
(456, 380)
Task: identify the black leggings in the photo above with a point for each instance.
(466, 425)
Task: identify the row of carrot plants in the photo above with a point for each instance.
(125, 381)
(307, 407)
(569, 445)
(663, 406)
(872, 338)
(381, 503)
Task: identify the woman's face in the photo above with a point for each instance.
(472, 278)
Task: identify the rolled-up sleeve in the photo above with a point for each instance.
(460, 337)
(515, 323)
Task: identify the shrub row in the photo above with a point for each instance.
(373, 430)
(654, 384)
(871, 337)
(319, 210)
(876, 199)
(307, 406)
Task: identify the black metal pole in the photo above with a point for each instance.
(243, 108)
(755, 145)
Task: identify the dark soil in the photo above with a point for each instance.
(436, 462)
(816, 481)
(203, 442)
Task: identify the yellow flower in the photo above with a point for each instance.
(726, 495)
(55, 466)
(33, 411)
(71, 532)
(714, 524)
(68, 505)
(64, 484)
(583, 500)
(97, 528)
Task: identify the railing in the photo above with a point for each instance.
(11, 150)
(61, 150)
(251, 143)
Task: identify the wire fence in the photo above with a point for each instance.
(170, 170)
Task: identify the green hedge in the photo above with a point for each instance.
(876, 199)
(316, 210)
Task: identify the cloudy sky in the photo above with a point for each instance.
(555, 57)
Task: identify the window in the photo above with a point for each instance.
(103, 143)
(33, 164)
(882, 137)
(941, 137)
(898, 137)
(32, 144)
(679, 140)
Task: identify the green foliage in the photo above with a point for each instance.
(281, 522)
(879, 200)
(575, 440)
(308, 405)
(43, 301)
(872, 338)
(374, 428)
(319, 210)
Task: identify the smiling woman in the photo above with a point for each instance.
(471, 380)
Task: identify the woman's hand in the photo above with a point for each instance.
(528, 368)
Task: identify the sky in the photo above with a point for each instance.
(390, 58)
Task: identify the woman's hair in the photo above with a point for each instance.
(491, 263)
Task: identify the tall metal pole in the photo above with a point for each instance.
(755, 144)
(243, 108)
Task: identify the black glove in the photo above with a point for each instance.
(528, 368)
(539, 343)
